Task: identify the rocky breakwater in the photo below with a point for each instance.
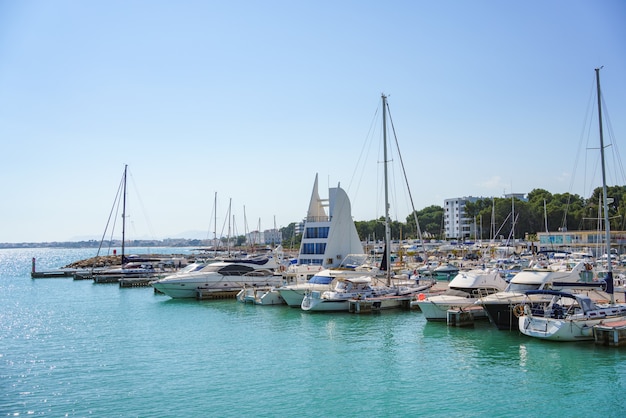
(96, 262)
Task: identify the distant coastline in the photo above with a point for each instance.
(173, 242)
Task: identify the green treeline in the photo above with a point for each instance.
(559, 212)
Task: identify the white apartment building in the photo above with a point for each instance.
(456, 224)
(459, 226)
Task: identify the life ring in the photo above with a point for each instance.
(518, 310)
(588, 267)
(281, 268)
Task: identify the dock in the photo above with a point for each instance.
(610, 333)
(463, 317)
(137, 281)
(55, 273)
(377, 304)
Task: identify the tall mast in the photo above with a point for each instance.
(607, 226)
(228, 239)
(124, 213)
(215, 242)
(387, 229)
(512, 216)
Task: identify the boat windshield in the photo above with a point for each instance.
(464, 293)
(192, 267)
(520, 287)
(321, 279)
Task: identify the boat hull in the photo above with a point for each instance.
(437, 310)
(294, 294)
(181, 289)
(292, 297)
(260, 296)
(501, 315)
(325, 305)
(557, 329)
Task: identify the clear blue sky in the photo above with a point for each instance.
(250, 99)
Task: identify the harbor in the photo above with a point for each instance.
(62, 337)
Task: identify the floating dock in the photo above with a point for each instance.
(459, 318)
(49, 274)
(52, 273)
(610, 333)
(137, 281)
(368, 305)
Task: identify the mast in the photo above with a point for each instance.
(228, 238)
(387, 229)
(512, 216)
(124, 213)
(607, 226)
(215, 242)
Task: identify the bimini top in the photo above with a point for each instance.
(551, 292)
(356, 280)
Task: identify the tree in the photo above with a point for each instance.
(291, 240)
(429, 218)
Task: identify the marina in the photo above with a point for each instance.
(77, 348)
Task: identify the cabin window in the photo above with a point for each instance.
(235, 270)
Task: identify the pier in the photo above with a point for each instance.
(52, 273)
(137, 281)
(380, 303)
(48, 274)
(610, 333)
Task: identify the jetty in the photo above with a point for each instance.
(67, 271)
(463, 317)
(54, 273)
(376, 304)
(136, 281)
(610, 333)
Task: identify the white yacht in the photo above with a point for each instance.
(463, 291)
(224, 275)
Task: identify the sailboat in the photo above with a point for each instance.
(571, 317)
(130, 268)
(357, 294)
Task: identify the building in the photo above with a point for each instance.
(459, 226)
(329, 232)
(272, 236)
(456, 224)
(591, 241)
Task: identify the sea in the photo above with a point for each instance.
(76, 349)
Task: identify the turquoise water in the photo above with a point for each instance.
(74, 348)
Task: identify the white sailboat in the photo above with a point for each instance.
(360, 289)
(129, 268)
(571, 317)
(563, 316)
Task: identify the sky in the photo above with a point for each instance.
(250, 100)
